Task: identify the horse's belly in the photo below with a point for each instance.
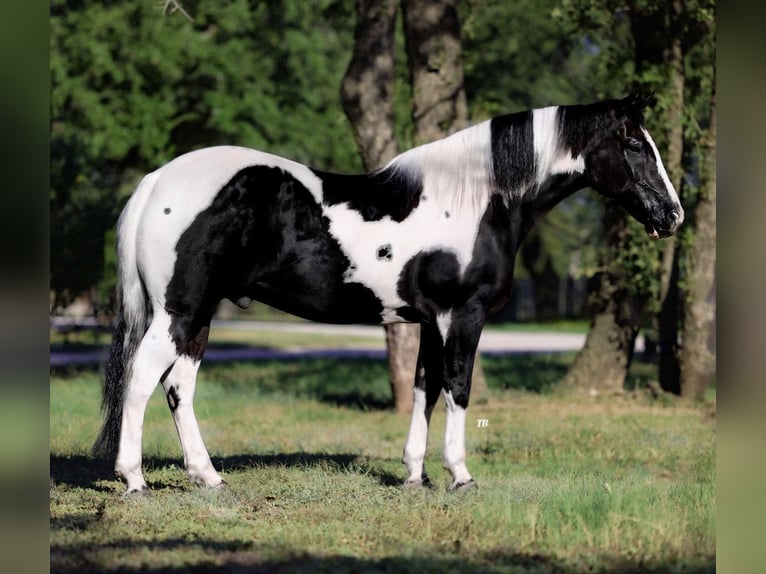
(327, 300)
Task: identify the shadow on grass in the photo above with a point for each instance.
(247, 556)
(84, 472)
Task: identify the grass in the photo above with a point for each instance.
(311, 455)
(578, 326)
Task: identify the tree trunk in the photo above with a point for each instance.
(439, 108)
(367, 94)
(368, 85)
(669, 318)
(609, 344)
(697, 362)
(432, 37)
(432, 33)
(602, 364)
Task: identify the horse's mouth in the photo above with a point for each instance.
(658, 233)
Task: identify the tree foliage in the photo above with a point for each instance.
(132, 87)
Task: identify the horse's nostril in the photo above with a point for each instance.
(675, 218)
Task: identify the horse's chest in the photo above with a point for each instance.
(378, 252)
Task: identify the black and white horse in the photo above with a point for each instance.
(430, 238)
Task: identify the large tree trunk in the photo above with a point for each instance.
(367, 94)
(432, 36)
(669, 318)
(614, 327)
(697, 362)
(368, 85)
(432, 33)
(602, 364)
(434, 47)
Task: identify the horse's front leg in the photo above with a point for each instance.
(453, 455)
(428, 382)
(462, 339)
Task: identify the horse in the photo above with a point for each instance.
(429, 238)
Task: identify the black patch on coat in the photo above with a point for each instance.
(513, 154)
(264, 237)
(388, 192)
(173, 398)
(384, 252)
(578, 125)
(166, 210)
(430, 282)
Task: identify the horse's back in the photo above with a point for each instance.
(181, 190)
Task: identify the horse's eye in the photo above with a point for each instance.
(634, 145)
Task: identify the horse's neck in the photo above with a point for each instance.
(549, 193)
(560, 139)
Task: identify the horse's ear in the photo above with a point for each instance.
(634, 104)
(649, 101)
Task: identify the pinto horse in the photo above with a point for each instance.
(430, 238)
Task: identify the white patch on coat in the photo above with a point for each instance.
(154, 355)
(425, 229)
(550, 157)
(453, 455)
(457, 183)
(182, 378)
(664, 174)
(417, 437)
(443, 321)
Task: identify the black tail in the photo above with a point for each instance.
(130, 321)
(116, 375)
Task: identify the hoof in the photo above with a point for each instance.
(470, 485)
(424, 482)
(142, 491)
(203, 482)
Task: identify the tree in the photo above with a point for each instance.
(602, 364)
(131, 88)
(696, 359)
(663, 36)
(432, 38)
(675, 46)
(367, 94)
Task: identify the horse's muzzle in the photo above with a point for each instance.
(667, 226)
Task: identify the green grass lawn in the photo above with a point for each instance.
(311, 455)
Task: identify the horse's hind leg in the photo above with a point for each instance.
(179, 385)
(155, 355)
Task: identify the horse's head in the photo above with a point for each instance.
(625, 165)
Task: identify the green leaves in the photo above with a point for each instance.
(131, 88)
